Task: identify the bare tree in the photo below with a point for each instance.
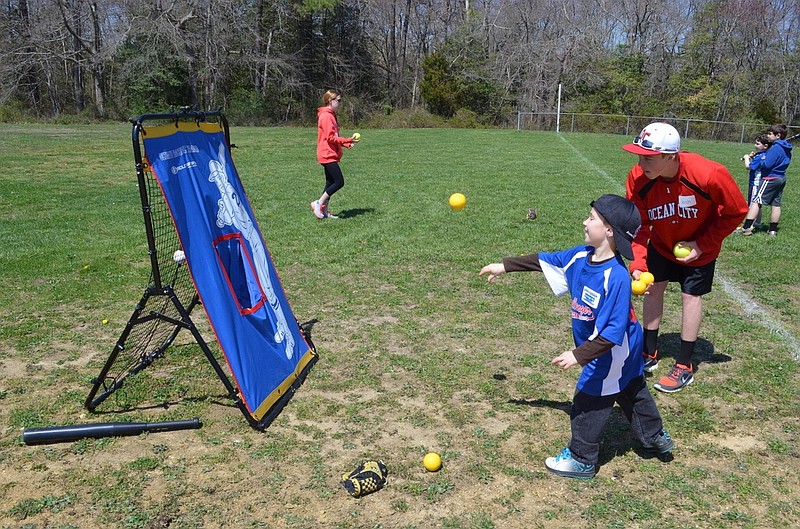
(706, 58)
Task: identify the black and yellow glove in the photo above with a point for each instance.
(366, 479)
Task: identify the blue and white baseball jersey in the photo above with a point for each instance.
(601, 306)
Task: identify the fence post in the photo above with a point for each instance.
(558, 111)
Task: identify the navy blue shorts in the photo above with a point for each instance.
(694, 280)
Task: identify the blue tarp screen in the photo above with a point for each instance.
(228, 261)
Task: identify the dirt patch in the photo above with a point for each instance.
(739, 444)
(493, 407)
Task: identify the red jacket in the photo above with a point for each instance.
(702, 203)
(329, 143)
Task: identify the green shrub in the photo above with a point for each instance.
(414, 118)
(14, 112)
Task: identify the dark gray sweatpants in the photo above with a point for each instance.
(590, 414)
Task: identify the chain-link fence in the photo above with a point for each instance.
(631, 125)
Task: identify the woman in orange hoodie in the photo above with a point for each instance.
(329, 151)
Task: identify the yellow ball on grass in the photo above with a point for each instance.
(432, 462)
(457, 201)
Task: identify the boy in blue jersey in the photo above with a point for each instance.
(752, 161)
(608, 337)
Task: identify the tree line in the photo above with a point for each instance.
(268, 61)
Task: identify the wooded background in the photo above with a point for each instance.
(268, 62)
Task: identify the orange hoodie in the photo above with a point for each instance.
(329, 143)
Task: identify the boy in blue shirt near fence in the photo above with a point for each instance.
(752, 161)
(773, 179)
(607, 335)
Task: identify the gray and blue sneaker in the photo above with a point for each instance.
(564, 465)
(661, 445)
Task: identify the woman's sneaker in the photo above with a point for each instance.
(325, 213)
(315, 207)
(564, 465)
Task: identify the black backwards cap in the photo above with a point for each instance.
(621, 214)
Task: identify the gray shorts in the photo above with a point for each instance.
(770, 191)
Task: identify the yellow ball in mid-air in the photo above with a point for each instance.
(432, 462)
(647, 278)
(457, 201)
(638, 287)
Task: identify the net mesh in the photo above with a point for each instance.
(156, 321)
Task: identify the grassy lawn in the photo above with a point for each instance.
(417, 353)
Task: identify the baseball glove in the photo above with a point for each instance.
(366, 479)
(531, 214)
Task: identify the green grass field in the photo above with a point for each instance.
(417, 353)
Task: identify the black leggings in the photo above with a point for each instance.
(334, 179)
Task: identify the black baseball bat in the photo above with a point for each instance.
(792, 138)
(74, 432)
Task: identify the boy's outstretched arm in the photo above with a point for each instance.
(494, 270)
(525, 263)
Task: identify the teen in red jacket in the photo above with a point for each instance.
(329, 151)
(682, 197)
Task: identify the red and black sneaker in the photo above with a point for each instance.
(650, 362)
(676, 380)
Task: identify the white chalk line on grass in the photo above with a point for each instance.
(752, 308)
(748, 304)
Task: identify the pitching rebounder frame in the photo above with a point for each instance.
(205, 249)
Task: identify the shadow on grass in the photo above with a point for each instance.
(306, 327)
(564, 406)
(350, 213)
(219, 400)
(669, 345)
(618, 440)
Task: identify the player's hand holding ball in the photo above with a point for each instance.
(356, 137)
(687, 252)
(639, 286)
(681, 250)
